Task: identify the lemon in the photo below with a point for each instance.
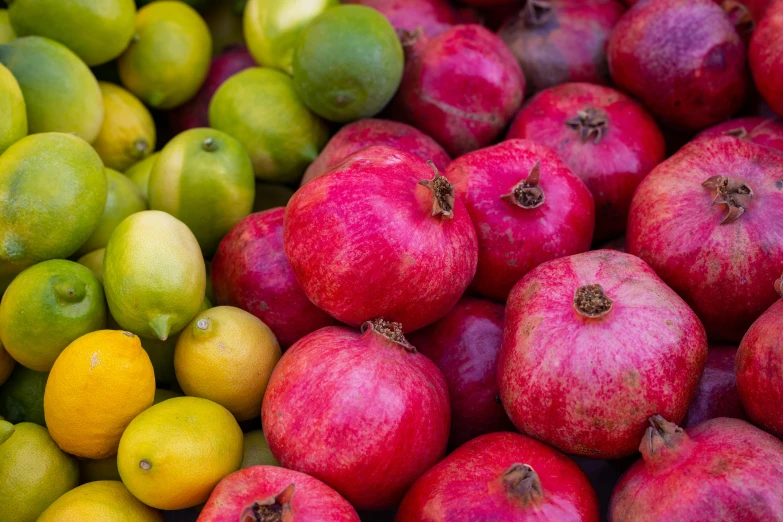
(102, 501)
(164, 395)
(6, 365)
(92, 470)
(257, 452)
(269, 196)
(13, 113)
(7, 33)
(94, 261)
(21, 397)
(172, 455)
(140, 173)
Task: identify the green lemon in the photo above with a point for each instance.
(140, 174)
(13, 113)
(260, 109)
(94, 261)
(93, 470)
(60, 91)
(100, 501)
(257, 452)
(269, 196)
(21, 397)
(96, 30)
(6, 30)
(204, 178)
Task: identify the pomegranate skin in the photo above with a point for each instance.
(717, 394)
(559, 41)
(723, 469)
(586, 385)
(465, 345)
(766, 56)
(744, 14)
(365, 243)
(382, 413)
(250, 271)
(682, 59)
(724, 271)
(431, 17)
(310, 501)
(609, 141)
(515, 236)
(476, 483)
(366, 133)
(767, 132)
(462, 88)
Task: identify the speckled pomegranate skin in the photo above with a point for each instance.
(432, 17)
(767, 132)
(766, 56)
(588, 385)
(716, 395)
(377, 415)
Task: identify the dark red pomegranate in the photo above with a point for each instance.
(605, 137)
(462, 88)
(559, 41)
(766, 56)
(502, 477)
(716, 395)
(527, 207)
(708, 221)
(364, 412)
(682, 59)
(465, 346)
(759, 130)
(381, 236)
(366, 133)
(250, 271)
(431, 17)
(593, 345)
(274, 494)
(723, 469)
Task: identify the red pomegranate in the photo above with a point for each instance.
(380, 236)
(682, 59)
(559, 41)
(366, 133)
(708, 221)
(766, 56)
(465, 346)
(431, 17)
(716, 395)
(527, 207)
(364, 412)
(250, 271)
(502, 477)
(462, 88)
(593, 345)
(273, 494)
(604, 136)
(759, 130)
(723, 469)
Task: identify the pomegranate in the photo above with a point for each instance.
(462, 88)
(364, 412)
(502, 477)
(604, 136)
(723, 469)
(431, 17)
(366, 133)
(250, 271)
(380, 236)
(488, 3)
(527, 206)
(682, 59)
(759, 130)
(766, 56)
(708, 221)
(744, 14)
(559, 41)
(717, 394)
(465, 346)
(593, 345)
(274, 494)
(615, 244)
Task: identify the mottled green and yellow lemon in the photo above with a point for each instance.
(173, 454)
(97, 385)
(7, 33)
(269, 195)
(7, 364)
(127, 135)
(169, 57)
(102, 501)
(257, 452)
(13, 113)
(94, 261)
(93, 470)
(21, 397)
(140, 174)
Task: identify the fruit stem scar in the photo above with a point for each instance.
(390, 330)
(442, 193)
(536, 13)
(734, 193)
(591, 301)
(145, 465)
(590, 123)
(209, 145)
(203, 324)
(523, 481)
(527, 193)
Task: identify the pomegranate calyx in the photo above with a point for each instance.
(660, 434)
(740, 16)
(273, 509)
(527, 193)
(536, 13)
(734, 193)
(442, 193)
(591, 301)
(779, 286)
(523, 482)
(590, 123)
(739, 132)
(390, 330)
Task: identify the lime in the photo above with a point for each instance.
(101, 501)
(13, 113)
(140, 174)
(6, 30)
(257, 452)
(269, 196)
(7, 364)
(94, 261)
(21, 397)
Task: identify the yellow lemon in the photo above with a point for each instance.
(92, 470)
(140, 173)
(102, 501)
(6, 30)
(6, 364)
(13, 112)
(94, 261)
(257, 452)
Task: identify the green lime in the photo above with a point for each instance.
(269, 196)
(6, 30)
(13, 113)
(94, 261)
(140, 173)
(93, 470)
(257, 452)
(21, 397)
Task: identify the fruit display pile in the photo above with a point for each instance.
(391, 260)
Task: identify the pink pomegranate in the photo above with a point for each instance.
(604, 136)
(766, 56)
(708, 221)
(381, 236)
(364, 412)
(559, 41)
(723, 469)
(431, 17)
(759, 130)
(527, 207)
(462, 88)
(250, 271)
(502, 477)
(682, 59)
(717, 394)
(274, 494)
(593, 345)
(465, 346)
(366, 133)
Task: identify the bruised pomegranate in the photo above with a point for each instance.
(502, 477)
(593, 345)
(366, 133)
(364, 412)
(716, 395)
(559, 41)
(708, 221)
(682, 59)
(527, 207)
(431, 17)
(274, 494)
(766, 57)
(465, 346)
(723, 469)
(759, 130)
(381, 236)
(604, 136)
